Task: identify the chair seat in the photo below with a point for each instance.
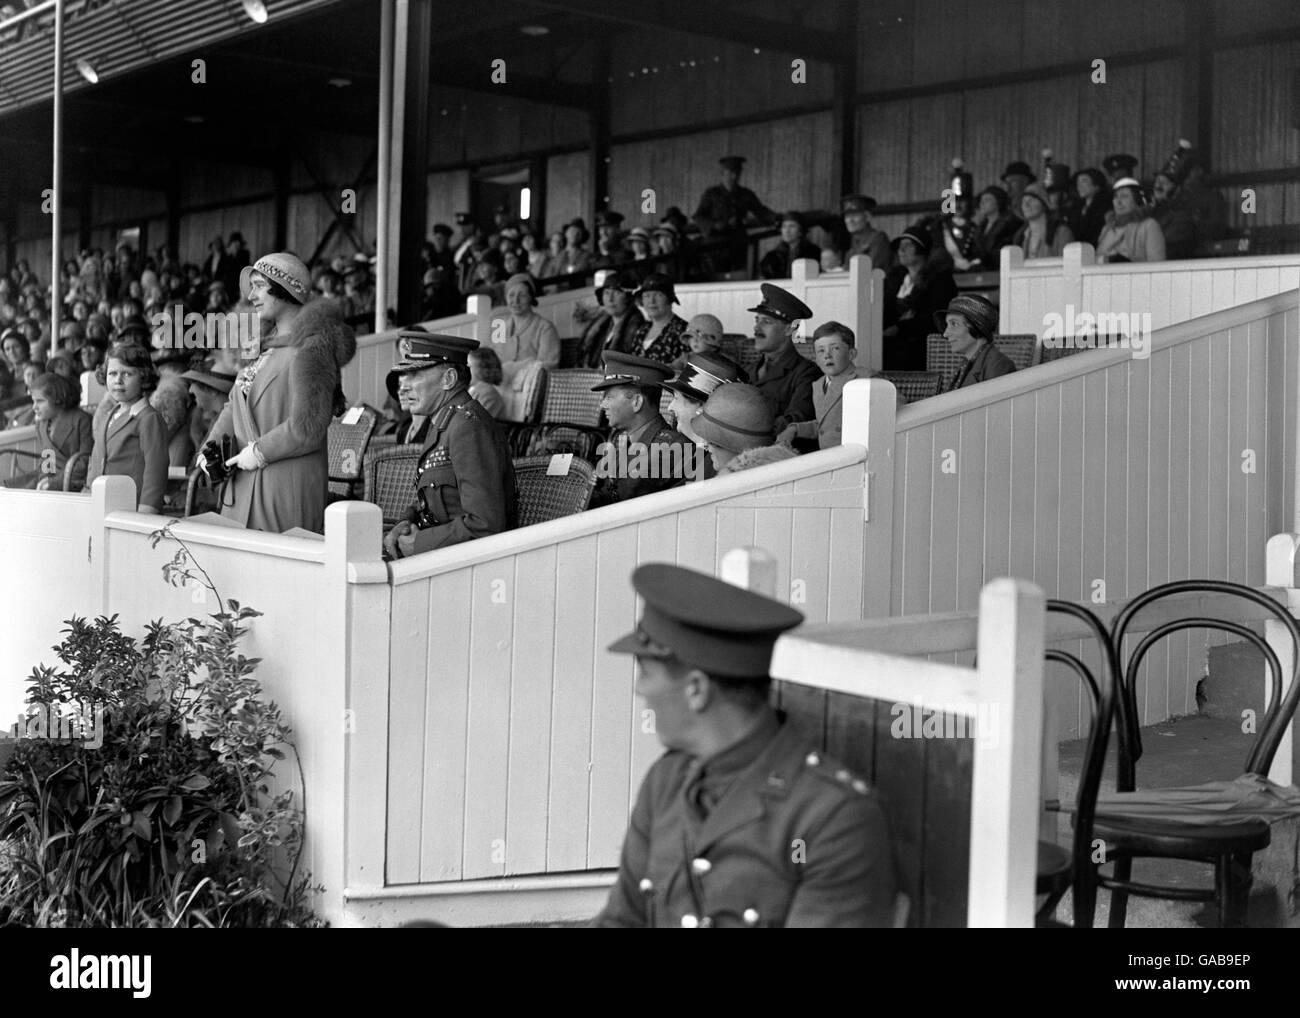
(1174, 838)
(1054, 867)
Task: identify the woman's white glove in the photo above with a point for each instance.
(247, 459)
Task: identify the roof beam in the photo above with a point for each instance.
(700, 17)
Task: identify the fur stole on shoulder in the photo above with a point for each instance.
(760, 457)
(325, 343)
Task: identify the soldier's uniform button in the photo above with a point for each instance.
(860, 786)
(842, 775)
(646, 885)
(689, 922)
(701, 866)
(812, 760)
(706, 923)
(750, 916)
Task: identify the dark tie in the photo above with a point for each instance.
(960, 376)
(826, 386)
(763, 368)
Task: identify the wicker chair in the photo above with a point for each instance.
(390, 479)
(571, 352)
(571, 418)
(347, 445)
(544, 496)
(741, 349)
(1020, 348)
(914, 385)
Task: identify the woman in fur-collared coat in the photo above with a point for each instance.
(281, 405)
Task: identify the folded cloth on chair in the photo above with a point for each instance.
(1215, 802)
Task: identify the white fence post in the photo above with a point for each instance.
(1281, 558)
(113, 493)
(866, 300)
(1012, 259)
(869, 408)
(1073, 261)
(353, 531)
(1005, 794)
(480, 305)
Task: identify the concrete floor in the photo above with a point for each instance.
(1189, 751)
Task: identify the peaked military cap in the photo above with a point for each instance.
(857, 203)
(704, 622)
(609, 218)
(1018, 168)
(782, 304)
(734, 163)
(1121, 162)
(627, 369)
(419, 350)
(704, 373)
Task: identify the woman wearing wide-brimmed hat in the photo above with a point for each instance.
(968, 323)
(281, 405)
(737, 426)
(662, 336)
(914, 289)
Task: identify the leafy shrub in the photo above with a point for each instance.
(170, 822)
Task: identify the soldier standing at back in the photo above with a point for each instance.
(725, 211)
(744, 821)
(465, 486)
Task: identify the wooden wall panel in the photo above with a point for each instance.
(125, 204)
(448, 194)
(204, 180)
(568, 190)
(1253, 111)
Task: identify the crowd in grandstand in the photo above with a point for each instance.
(144, 404)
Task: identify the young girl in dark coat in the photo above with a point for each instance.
(130, 435)
(63, 430)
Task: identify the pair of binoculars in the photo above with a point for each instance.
(213, 460)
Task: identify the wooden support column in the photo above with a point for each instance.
(599, 119)
(1198, 75)
(845, 108)
(415, 157)
(173, 209)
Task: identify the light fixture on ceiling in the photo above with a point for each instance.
(525, 203)
(340, 82)
(535, 30)
(88, 72)
(256, 11)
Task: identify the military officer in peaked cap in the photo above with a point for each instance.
(726, 209)
(864, 238)
(743, 821)
(646, 455)
(783, 376)
(465, 485)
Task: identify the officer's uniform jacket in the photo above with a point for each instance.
(786, 384)
(659, 437)
(465, 477)
(794, 840)
(723, 211)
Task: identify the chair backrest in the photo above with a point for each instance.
(914, 385)
(1279, 712)
(665, 401)
(545, 496)
(390, 473)
(939, 356)
(1056, 351)
(806, 351)
(1019, 348)
(1102, 698)
(569, 398)
(741, 349)
(347, 439)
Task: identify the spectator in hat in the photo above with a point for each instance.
(793, 244)
(863, 237)
(969, 323)
(703, 335)
(736, 426)
(675, 254)
(1087, 214)
(576, 256)
(661, 335)
(1015, 178)
(834, 347)
(1044, 234)
(956, 234)
(281, 404)
(440, 298)
(465, 484)
(1056, 181)
(616, 321)
(1119, 166)
(554, 263)
(1130, 234)
(914, 290)
(501, 222)
(698, 378)
(726, 210)
(529, 340)
(645, 455)
(63, 431)
(210, 388)
(358, 292)
(609, 240)
(783, 376)
(535, 254)
(439, 249)
(996, 225)
(709, 840)
(637, 242)
(1189, 213)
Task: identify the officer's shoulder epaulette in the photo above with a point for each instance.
(826, 768)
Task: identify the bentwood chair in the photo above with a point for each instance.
(1216, 824)
(1059, 870)
(75, 467)
(545, 496)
